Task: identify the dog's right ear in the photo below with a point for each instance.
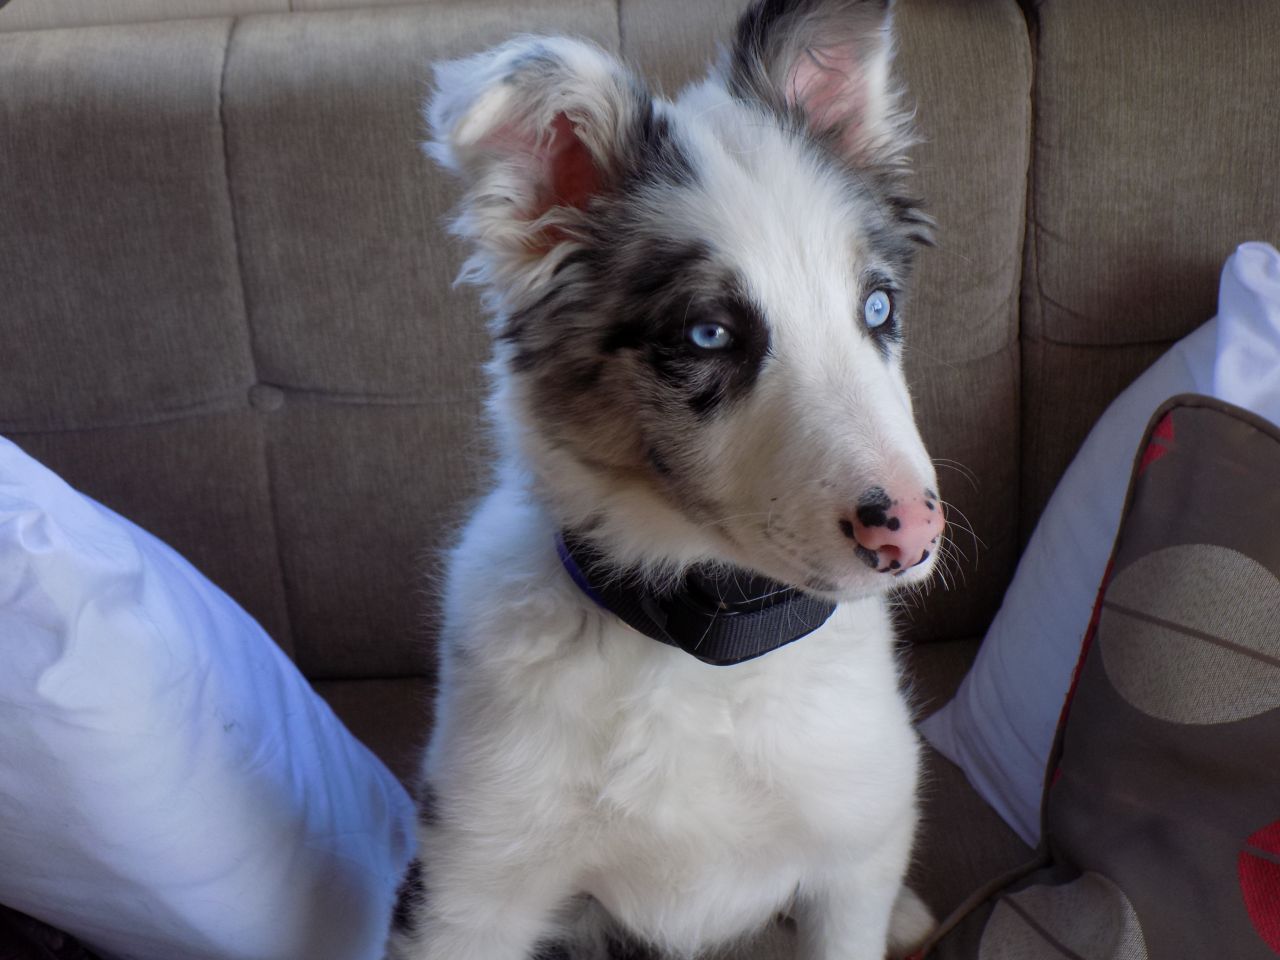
(828, 62)
(537, 128)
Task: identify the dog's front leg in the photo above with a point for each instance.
(478, 909)
(860, 910)
(846, 918)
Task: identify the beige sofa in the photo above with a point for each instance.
(226, 311)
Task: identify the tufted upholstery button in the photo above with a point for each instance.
(265, 397)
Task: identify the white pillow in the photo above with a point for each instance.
(1000, 726)
(170, 786)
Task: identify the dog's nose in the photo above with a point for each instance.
(894, 533)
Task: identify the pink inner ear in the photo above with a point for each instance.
(562, 169)
(573, 176)
(829, 87)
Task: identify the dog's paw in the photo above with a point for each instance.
(910, 926)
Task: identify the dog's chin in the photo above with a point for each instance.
(863, 588)
(857, 587)
(847, 585)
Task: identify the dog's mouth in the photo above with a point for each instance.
(862, 587)
(840, 573)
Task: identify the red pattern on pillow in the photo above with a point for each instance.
(1161, 443)
(1260, 882)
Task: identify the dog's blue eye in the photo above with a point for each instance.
(877, 308)
(710, 336)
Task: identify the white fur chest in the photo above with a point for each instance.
(690, 800)
(723, 788)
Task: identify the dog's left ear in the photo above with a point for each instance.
(828, 61)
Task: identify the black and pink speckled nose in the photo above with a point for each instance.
(893, 532)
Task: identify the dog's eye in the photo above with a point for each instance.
(710, 336)
(877, 308)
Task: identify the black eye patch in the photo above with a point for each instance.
(669, 290)
(707, 380)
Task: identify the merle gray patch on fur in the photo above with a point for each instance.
(626, 948)
(409, 897)
(657, 324)
(659, 464)
(654, 275)
(550, 951)
(608, 345)
(428, 806)
(659, 156)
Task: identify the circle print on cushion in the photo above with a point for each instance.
(1259, 867)
(1189, 634)
(1088, 917)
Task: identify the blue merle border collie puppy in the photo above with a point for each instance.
(707, 451)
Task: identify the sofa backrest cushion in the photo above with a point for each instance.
(229, 278)
(1156, 143)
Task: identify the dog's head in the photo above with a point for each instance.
(699, 303)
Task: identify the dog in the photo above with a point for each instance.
(669, 707)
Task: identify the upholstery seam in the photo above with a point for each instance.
(272, 502)
(1174, 626)
(1115, 345)
(1035, 925)
(232, 402)
(338, 398)
(1016, 359)
(1029, 407)
(231, 203)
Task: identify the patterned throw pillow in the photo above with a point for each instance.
(1161, 817)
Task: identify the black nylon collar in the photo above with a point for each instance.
(721, 619)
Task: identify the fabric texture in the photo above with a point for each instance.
(961, 842)
(46, 14)
(171, 785)
(122, 176)
(1000, 726)
(1156, 128)
(1160, 829)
